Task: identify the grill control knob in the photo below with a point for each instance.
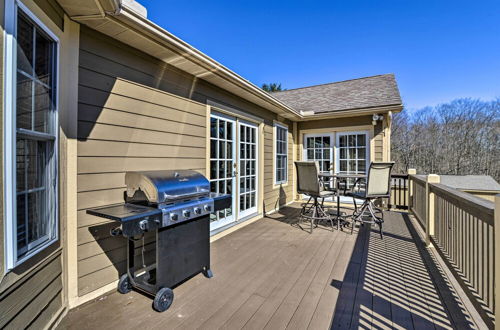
(186, 213)
(197, 210)
(207, 208)
(143, 224)
(174, 216)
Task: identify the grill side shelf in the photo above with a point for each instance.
(221, 201)
(125, 212)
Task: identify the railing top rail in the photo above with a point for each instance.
(477, 206)
(419, 178)
(399, 176)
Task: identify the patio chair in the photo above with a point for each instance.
(308, 183)
(377, 186)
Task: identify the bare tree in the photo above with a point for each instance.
(460, 137)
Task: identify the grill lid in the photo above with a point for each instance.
(167, 186)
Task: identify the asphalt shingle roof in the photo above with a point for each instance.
(375, 91)
(472, 182)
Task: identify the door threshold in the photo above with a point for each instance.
(229, 225)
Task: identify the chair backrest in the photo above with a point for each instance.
(307, 178)
(379, 179)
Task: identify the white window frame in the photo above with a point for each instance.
(10, 70)
(337, 148)
(313, 135)
(275, 141)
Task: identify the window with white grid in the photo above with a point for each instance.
(32, 135)
(281, 161)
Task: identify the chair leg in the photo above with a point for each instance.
(358, 217)
(379, 220)
(310, 206)
(314, 215)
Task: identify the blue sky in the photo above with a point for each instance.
(439, 50)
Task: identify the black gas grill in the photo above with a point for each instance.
(176, 205)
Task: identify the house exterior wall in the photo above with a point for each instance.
(379, 134)
(137, 113)
(31, 294)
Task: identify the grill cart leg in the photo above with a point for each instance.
(163, 299)
(208, 272)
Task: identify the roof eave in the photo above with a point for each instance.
(128, 27)
(352, 112)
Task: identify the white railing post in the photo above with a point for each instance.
(411, 171)
(496, 231)
(430, 207)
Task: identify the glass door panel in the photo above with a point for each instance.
(319, 148)
(352, 155)
(222, 161)
(247, 170)
(352, 152)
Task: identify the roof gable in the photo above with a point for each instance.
(368, 92)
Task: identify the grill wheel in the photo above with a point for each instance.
(163, 299)
(124, 285)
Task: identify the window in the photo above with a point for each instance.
(281, 154)
(32, 212)
(319, 148)
(353, 152)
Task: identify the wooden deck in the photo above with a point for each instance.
(271, 275)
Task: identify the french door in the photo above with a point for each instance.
(352, 152)
(319, 147)
(222, 166)
(233, 167)
(349, 152)
(247, 169)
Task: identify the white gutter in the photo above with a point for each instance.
(200, 58)
(118, 12)
(310, 115)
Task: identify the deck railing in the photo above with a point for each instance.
(461, 228)
(418, 203)
(399, 192)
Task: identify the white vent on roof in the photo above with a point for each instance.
(136, 7)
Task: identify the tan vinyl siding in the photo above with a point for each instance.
(35, 300)
(349, 123)
(124, 124)
(276, 195)
(335, 123)
(137, 113)
(53, 11)
(378, 143)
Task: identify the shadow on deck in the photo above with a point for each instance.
(273, 275)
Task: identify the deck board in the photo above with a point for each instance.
(273, 275)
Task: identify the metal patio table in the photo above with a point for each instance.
(338, 178)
